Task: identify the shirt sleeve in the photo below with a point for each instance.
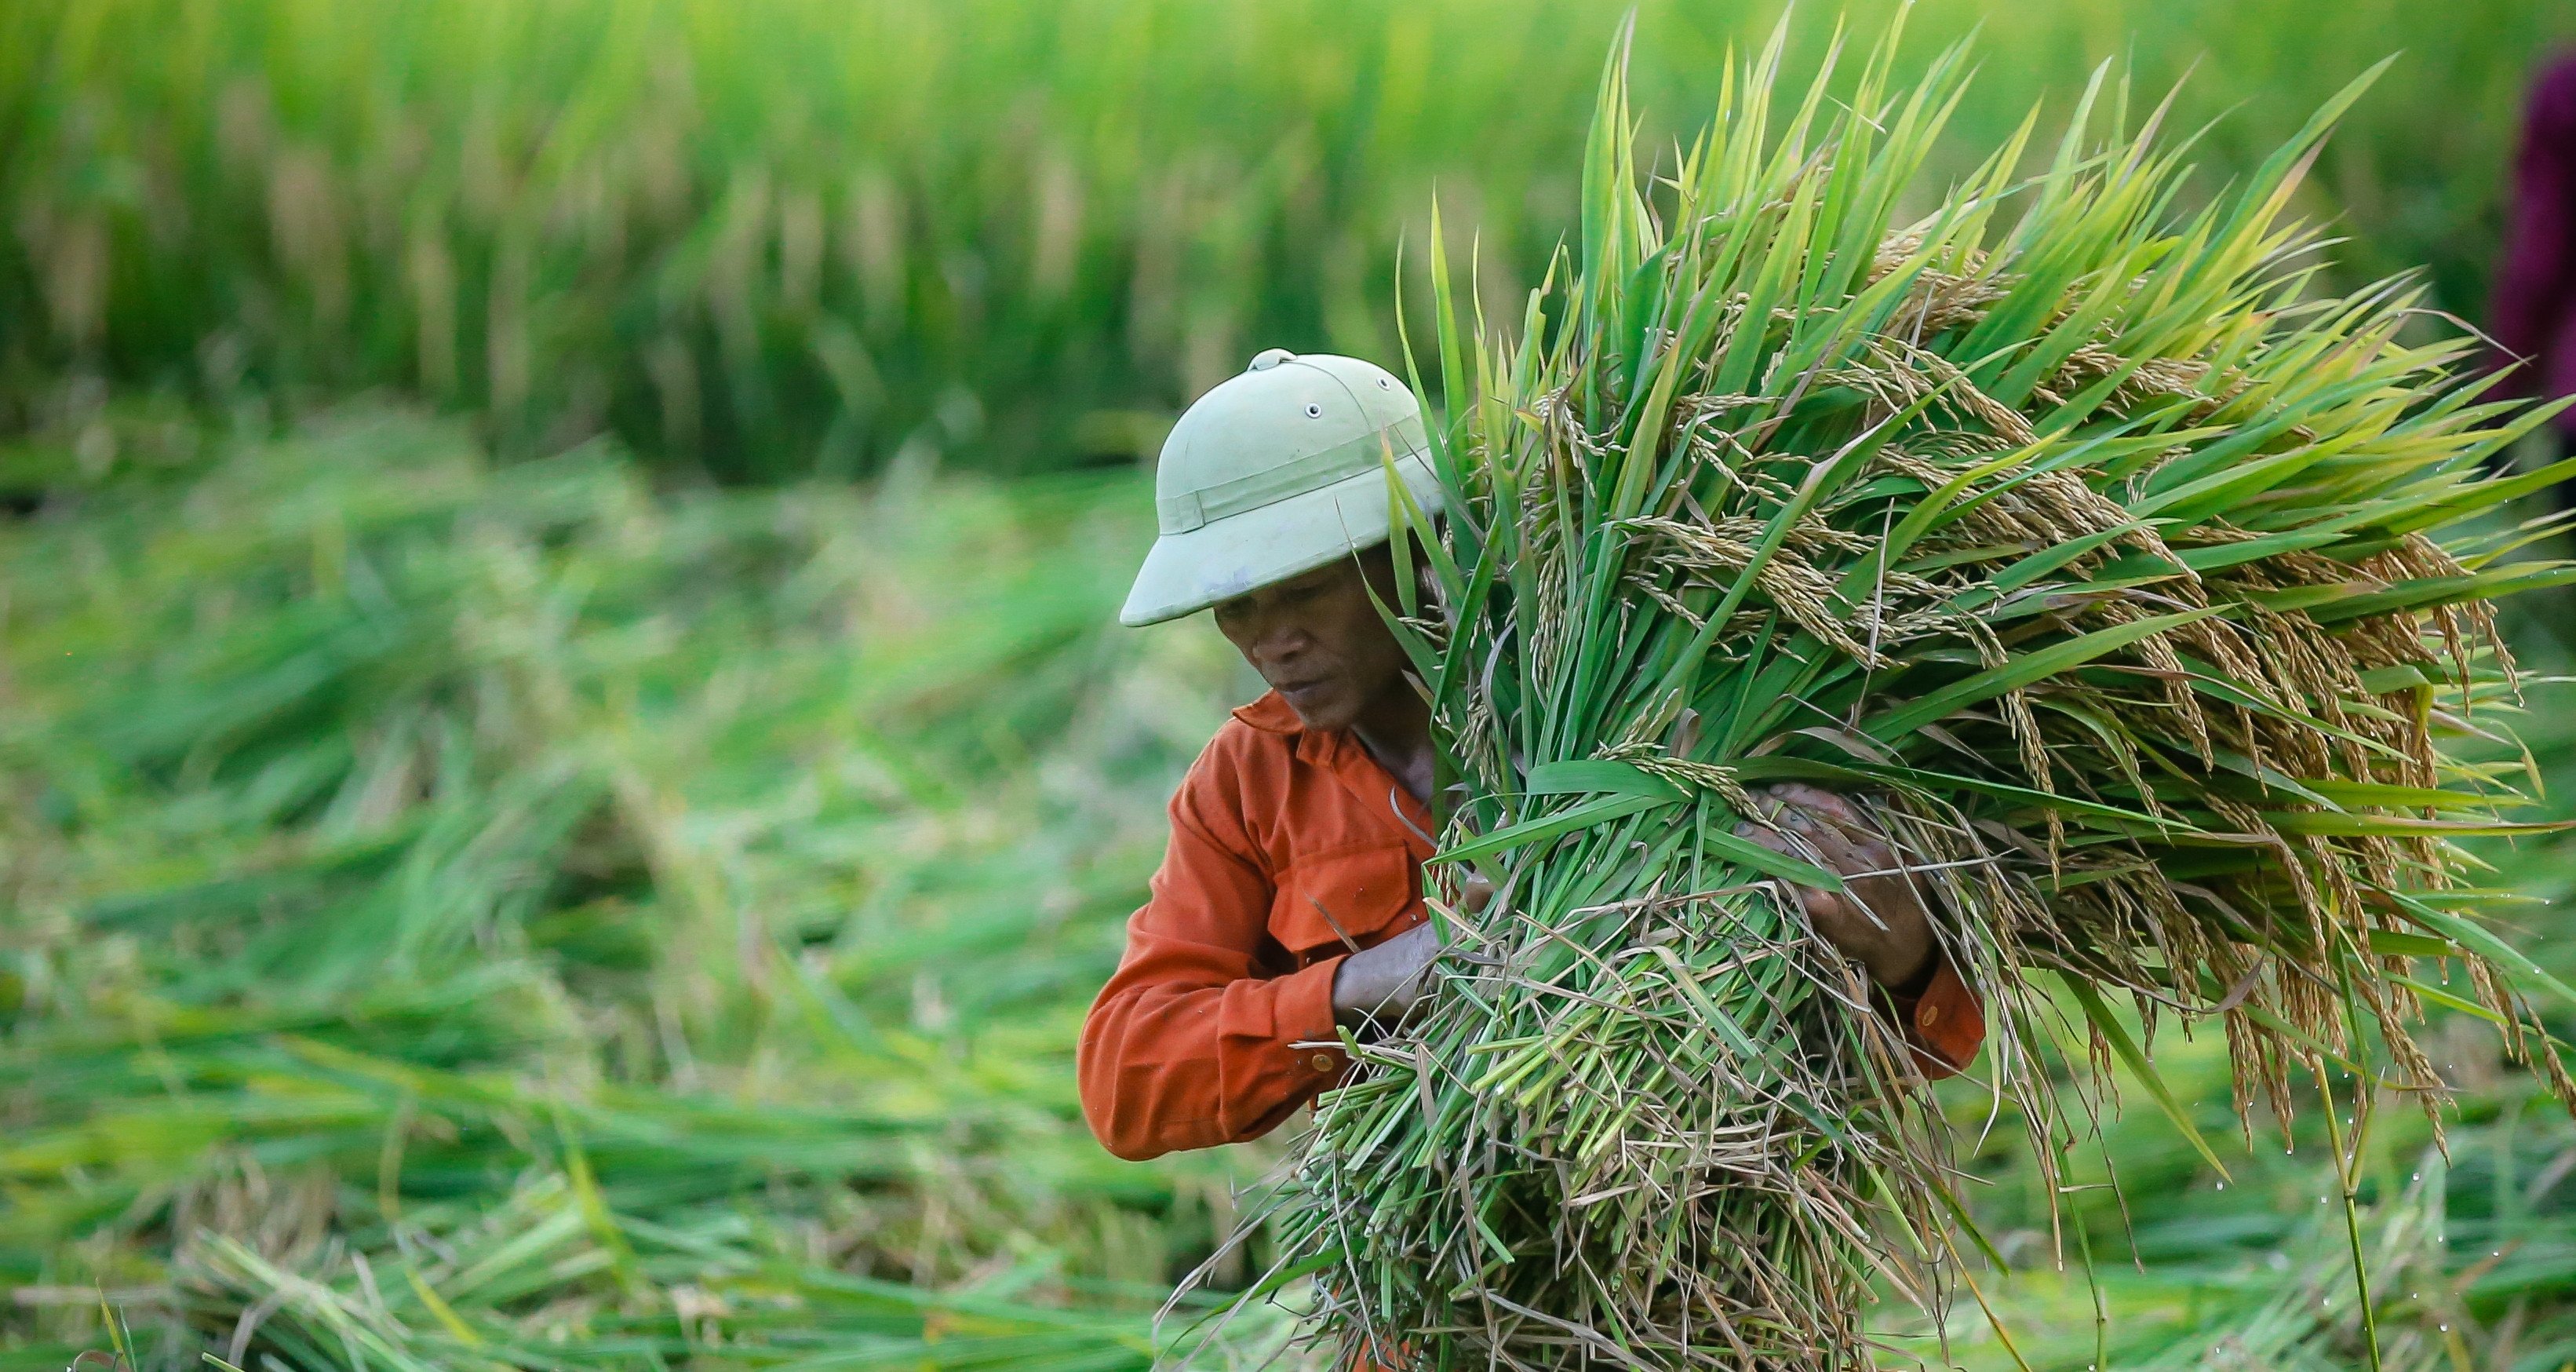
(1944, 1023)
(1190, 1045)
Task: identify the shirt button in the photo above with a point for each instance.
(1323, 1062)
(1928, 1016)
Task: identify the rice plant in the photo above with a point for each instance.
(465, 912)
(2148, 1257)
(459, 914)
(808, 236)
(305, 988)
(2140, 579)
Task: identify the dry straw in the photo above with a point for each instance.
(2137, 584)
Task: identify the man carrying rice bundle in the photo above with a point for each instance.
(1289, 905)
(2068, 541)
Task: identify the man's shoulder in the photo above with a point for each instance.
(1253, 746)
(1261, 736)
(1244, 777)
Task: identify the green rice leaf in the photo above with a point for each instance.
(1898, 721)
(1587, 776)
(2117, 1034)
(1584, 816)
(2475, 937)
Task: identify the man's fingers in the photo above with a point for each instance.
(1846, 852)
(1802, 839)
(1817, 800)
(1878, 918)
(1771, 839)
(1838, 817)
(1853, 848)
(1876, 891)
(1823, 909)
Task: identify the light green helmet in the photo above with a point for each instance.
(1276, 472)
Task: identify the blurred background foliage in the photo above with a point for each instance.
(806, 234)
(538, 893)
(565, 779)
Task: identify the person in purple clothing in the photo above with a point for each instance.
(2534, 314)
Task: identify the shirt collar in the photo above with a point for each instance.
(1271, 715)
(1349, 762)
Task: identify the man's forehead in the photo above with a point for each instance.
(1329, 572)
(1325, 575)
(1317, 578)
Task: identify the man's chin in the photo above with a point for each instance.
(1321, 715)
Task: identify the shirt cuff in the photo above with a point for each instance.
(1944, 1025)
(1302, 1012)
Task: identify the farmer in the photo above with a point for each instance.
(1289, 904)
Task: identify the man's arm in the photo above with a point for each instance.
(1189, 1045)
(1877, 920)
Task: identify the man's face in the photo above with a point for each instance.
(1318, 641)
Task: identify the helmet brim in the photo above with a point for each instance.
(1188, 572)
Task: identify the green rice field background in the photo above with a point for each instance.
(806, 235)
(566, 775)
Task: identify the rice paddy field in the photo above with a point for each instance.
(806, 235)
(566, 774)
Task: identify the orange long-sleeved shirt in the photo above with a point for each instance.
(1290, 846)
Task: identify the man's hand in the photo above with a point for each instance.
(1382, 984)
(1878, 918)
(1379, 985)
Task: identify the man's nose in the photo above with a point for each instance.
(1282, 640)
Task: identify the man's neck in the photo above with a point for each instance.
(1396, 730)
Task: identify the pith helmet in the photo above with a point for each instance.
(1276, 472)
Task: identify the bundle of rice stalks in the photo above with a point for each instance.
(2135, 586)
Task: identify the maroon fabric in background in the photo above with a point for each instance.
(2534, 314)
